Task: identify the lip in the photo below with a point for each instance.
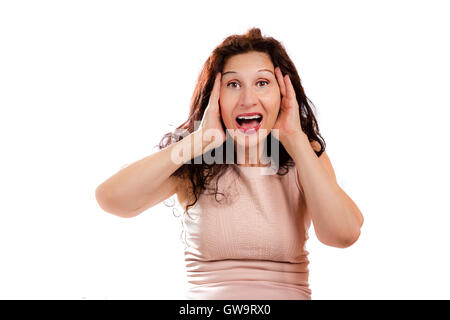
(249, 130)
(249, 114)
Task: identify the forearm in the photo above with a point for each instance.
(335, 217)
(133, 186)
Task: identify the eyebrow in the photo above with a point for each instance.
(256, 71)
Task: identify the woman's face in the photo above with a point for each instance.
(249, 86)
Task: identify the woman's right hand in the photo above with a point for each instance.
(213, 135)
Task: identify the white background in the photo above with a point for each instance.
(89, 86)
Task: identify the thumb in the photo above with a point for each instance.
(215, 93)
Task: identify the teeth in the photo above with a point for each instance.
(249, 117)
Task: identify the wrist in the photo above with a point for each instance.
(198, 142)
(187, 148)
(295, 141)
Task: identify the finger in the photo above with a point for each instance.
(216, 87)
(290, 92)
(281, 84)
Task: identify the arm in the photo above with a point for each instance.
(148, 181)
(336, 218)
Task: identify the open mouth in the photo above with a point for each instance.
(249, 122)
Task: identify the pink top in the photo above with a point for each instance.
(252, 244)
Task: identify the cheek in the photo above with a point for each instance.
(273, 107)
(225, 112)
(226, 105)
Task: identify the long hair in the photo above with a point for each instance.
(200, 174)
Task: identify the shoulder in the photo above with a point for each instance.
(179, 184)
(183, 190)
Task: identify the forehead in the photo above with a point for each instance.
(249, 62)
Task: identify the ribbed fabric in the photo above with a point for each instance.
(251, 245)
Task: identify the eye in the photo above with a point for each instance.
(230, 83)
(267, 83)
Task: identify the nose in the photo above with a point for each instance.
(249, 97)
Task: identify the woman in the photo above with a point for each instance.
(250, 243)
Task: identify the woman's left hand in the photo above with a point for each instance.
(288, 121)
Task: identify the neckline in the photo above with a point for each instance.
(253, 167)
(269, 170)
(241, 166)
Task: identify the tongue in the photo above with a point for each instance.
(248, 124)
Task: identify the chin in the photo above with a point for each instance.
(252, 139)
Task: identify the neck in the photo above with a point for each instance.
(251, 156)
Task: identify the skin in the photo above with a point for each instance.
(243, 89)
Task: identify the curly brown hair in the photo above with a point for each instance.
(200, 174)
